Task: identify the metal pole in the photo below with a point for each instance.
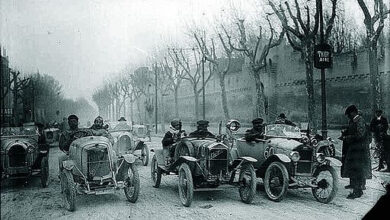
(204, 89)
(324, 130)
(155, 74)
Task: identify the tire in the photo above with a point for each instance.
(185, 185)
(44, 171)
(276, 172)
(247, 188)
(68, 189)
(155, 172)
(145, 155)
(324, 184)
(132, 184)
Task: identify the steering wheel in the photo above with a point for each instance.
(80, 134)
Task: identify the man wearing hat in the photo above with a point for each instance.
(356, 163)
(65, 138)
(282, 119)
(257, 132)
(100, 130)
(122, 125)
(201, 131)
(174, 134)
(97, 123)
(378, 127)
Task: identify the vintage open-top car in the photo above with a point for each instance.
(204, 164)
(126, 142)
(285, 159)
(20, 152)
(94, 167)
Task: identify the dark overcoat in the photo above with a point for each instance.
(356, 149)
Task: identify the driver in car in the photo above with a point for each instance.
(201, 131)
(66, 139)
(99, 130)
(257, 132)
(174, 134)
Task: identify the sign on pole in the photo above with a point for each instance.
(322, 56)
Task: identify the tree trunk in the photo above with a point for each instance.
(139, 111)
(176, 102)
(260, 97)
(376, 101)
(223, 96)
(131, 111)
(118, 108)
(308, 56)
(162, 114)
(196, 98)
(112, 110)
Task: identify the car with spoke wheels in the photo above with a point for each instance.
(204, 164)
(21, 155)
(286, 160)
(94, 167)
(125, 141)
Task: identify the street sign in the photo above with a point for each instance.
(322, 56)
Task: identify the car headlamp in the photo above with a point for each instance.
(294, 155)
(320, 157)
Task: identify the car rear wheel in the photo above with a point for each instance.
(155, 172)
(247, 180)
(145, 155)
(276, 181)
(44, 171)
(186, 185)
(327, 184)
(68, 189)
(132, 184)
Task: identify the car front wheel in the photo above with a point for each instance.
(276, 181)
(68, 189)
(155, 172)
(186, 185)
(327, 184)
(132, 184)
(247, 181)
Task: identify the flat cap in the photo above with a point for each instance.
(351, 108)
(202, 122)
(257, 121)
(282, 115)
(73, 117)
(122, 119)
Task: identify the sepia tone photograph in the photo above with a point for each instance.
(195, 109)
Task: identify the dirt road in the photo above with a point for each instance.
(34, 202)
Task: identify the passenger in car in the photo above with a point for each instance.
(174, 134)
(282, 119)
(201, 131)
(257, 132)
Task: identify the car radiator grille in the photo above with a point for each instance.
(305, 161)
(98, 163)
(17, 156)
(218, 161)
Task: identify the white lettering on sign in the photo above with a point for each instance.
(324, 56)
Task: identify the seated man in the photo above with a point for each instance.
(201, 131)
(122, 125)
(99, 130)
(282, 119)
(172, 136)
(66, 139)
(257, 132)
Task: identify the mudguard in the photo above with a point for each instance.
(333, 161)
(282, 157)
(248, 159)
(68, 164)
(129, 158)
(188, 158)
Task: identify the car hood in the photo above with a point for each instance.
(284, 143)
(24, 141)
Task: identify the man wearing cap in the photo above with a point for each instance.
(66, 139)
(357, 164)
(282, 119)
(174, 134)
(257, 132)
(378, 127)
(201, 131)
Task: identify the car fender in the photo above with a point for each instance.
(189, 158)
(129, 158)
(68, 164)
(282, 157)
(333, 161)
(248, 159)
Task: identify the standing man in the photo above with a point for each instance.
(66, 139)
(357, 164)
(378, 127)
(257, 132)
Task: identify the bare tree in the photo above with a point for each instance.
(301, 35)
(374, 23)
(257, 55)
(218, 65)
(175, 76)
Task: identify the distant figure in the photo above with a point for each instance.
(201, 131)
(357, 164)
(42, 145)
(122, 125)
(378, 127)
(282, 119)
(257, 132)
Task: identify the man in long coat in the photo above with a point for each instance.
(357, 164)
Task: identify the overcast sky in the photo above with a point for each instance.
(83, 42)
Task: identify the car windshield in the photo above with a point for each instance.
(10, 131)
(282, 130)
